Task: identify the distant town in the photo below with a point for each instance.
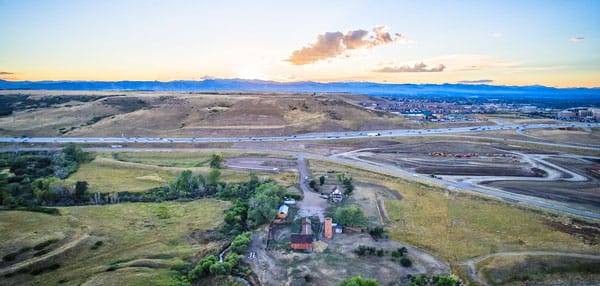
(442, 110)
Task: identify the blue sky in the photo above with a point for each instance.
(553, 43)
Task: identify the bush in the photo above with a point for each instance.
(10, 257)
(406, 262)
(97, 244)
(46, 243)
(377, 232)
(359, 281)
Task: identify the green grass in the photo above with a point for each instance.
(107, 176)
(132, 234)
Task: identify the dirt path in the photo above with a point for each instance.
(471, 263)
(311, 204)
(79, 237)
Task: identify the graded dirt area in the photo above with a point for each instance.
(337, 262)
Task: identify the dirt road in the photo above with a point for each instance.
(312, 204)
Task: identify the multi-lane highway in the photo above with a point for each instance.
(348, 160)
(298, 137)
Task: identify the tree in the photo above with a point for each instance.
(81, 188)
(74, 153)
(215, 160)
(240, 243)
(202, 269)
(359, 281)
(263, 206)
(213, 177)
(321, 180)
(313, 185)
(350, 216)
(347, 183)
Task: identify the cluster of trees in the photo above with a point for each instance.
(210, 265)
(397, 255)
(37, 178)
(435, 280)
(346, 181)
(350, 216)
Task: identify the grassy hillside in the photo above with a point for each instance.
(129, 243)
(183, 114)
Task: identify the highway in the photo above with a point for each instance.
(347, 159)
(298, 137)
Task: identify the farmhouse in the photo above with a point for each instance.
(336, 195)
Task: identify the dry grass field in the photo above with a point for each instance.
(179, 114)
(139, 242)
(457, 227)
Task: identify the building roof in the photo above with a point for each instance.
(283, 209)
(301, 238)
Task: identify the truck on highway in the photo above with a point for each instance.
(374, 134)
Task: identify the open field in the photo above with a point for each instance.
(588, 136)
(456, 227)
(178, 114)
(141, 171)
(139, 241)
(530, 269)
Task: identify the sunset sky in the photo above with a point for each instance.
(554, 43)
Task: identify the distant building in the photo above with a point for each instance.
(303, 240)
(566, 114)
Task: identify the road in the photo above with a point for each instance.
(352, 161)
(350, 158)
(300, 137)
(311, 204)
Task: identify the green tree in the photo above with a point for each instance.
(81, 188)
(74, 153)
(215, 160)
(321, 180)
(202, 269)
(313, 185)
(240, 243)
(350, 216)
(213, 177)
(263, 206)
(359, 281)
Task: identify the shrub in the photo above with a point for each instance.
(10, 257)
(406, 262)
(46, 243)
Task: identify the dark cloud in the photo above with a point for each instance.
(576, 39)
(478, 81)
(420, 67)
(332, 44)
(6, 73)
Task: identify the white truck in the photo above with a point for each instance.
(372, 134)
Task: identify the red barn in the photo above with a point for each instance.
(303, 240)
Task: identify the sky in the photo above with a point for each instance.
(553, 43)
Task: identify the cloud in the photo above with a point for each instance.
(6, 73)
(420, 67)
(478, 81)
(497, 35)
(333, 44)
(576, 39)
